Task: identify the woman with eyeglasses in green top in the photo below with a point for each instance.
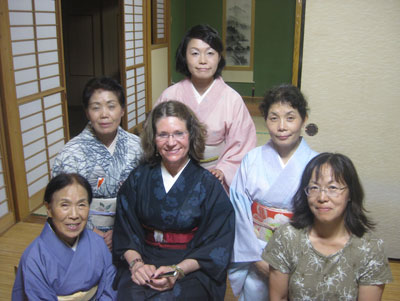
(327, 251)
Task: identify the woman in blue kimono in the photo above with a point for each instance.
(263, 187)
(67, 261)
(103, 152)
(174, 226)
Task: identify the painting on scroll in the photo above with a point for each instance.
(239, 33)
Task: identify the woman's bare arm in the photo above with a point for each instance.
(278, 285)
(370, 292)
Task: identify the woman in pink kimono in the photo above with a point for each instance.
(230, 129)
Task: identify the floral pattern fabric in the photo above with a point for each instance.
(314, 276)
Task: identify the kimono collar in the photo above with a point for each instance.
(199, 97)
(51, 226)
(90, 132)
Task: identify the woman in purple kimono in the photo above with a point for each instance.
(67, 261)
(174, 226)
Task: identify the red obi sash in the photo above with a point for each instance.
(267, 219)
(168, 240)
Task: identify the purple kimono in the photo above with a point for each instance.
(50, 268)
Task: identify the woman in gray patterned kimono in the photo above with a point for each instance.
(103, 152)
(327, 251)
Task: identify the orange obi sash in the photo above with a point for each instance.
(267, 219)
(168, 240)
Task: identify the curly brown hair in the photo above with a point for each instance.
(172, 108)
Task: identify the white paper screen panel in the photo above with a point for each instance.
(131, 97)
(133, 19)
(42, 131)
(3, 195)
(44, 5)
(35, 49)
(135, 77)
(20, 5)
(160, 19)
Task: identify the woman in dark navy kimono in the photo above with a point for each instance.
(174, 227)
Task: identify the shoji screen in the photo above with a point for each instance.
(37, 72)
(134, 69)
(7, 216)
(159, 21)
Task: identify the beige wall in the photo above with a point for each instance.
(159, 72)
(351, 76)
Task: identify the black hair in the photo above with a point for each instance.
(285, 93)
(102, 83)
(208, 35)
(63, 180)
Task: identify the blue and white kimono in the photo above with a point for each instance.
(105, 171)
(262, 177)
(49, 268)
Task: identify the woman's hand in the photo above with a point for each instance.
(97, 231)
(107, 236)
(142, 273)
(262, 268)
(108, 239)
(161, 283)
(218, 174)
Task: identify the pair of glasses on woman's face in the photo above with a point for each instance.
(331, 191)
(178, 135)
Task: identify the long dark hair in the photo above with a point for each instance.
(355, 218)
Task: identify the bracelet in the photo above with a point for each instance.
(179, 270)
(133, 262)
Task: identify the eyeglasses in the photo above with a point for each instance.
(178, 135)
(331, 191)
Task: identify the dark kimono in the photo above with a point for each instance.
(197, 201)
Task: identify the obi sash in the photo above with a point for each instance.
(211, 154)
(267, 219)
(80, 296)
(102, 212)
(168, 240)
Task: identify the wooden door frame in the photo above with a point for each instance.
(12, 129)
(298, 42)
(14, 147)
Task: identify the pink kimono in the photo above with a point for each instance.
(230, 128)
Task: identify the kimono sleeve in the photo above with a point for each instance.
(128, 234)
(105, 290)
(66, 162)
(239, 140)
(375, 268)
(213, 242)
(29, 281)
(246, 247)
(278, 250)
